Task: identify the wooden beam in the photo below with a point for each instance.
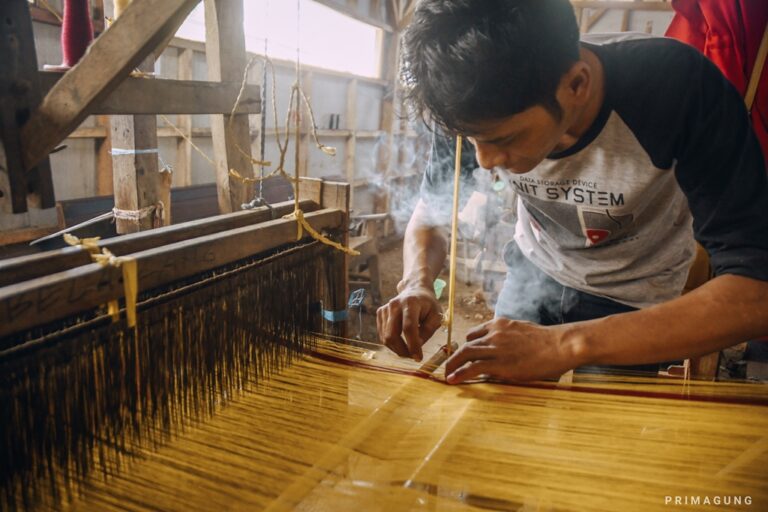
(19, 95)
(199, 46)
(592, 19)
(139, 182)
(182, 172)
(18, 236)
(46, 299)
(24, 268)
(353, 13)
(618, 4)
(225, 54)
(408, 15)
(104, 174)
(109, 60)
(351, 115)
(163, 96)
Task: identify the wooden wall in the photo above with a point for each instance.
(366, 155)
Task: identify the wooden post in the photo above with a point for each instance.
(110, 59)
(306, 140)
(19, 96)
(138, 182)
(337, 195)
(349, 166)
(104, 175)
(182, 172)
(225, 53)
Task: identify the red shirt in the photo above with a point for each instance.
(729, 33)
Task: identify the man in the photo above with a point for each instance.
(620, 154)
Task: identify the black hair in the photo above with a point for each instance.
(465, 61)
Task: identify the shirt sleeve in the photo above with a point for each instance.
(690, 118)
(720, 169)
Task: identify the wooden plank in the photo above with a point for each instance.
(351, 114)
(182, 172)
(592, 19)
(353, 13)
(163, 96)
(20, 94)
(18, 236)
(305, 140)
(225, 54)
(138, 182)
(109, 60)
(104, 174)
(90, 132)
(16, 270)
(619, 4)
(49, 298)
(199, 46)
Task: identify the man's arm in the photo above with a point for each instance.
(725, 311)
(407, 321)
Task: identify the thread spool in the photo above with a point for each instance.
(76, 31)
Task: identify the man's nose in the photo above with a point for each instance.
(489, 156)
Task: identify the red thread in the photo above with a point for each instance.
(76, 31)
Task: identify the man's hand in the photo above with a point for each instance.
(513, 351)
(407, 321)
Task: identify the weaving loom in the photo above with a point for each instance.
(219, 302)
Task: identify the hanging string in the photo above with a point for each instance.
(297, 98)
(297, 114)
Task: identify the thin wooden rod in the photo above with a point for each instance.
(454, 236)
(46, 299)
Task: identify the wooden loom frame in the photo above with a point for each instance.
(39, 110)
(163, 256)
(49, 106)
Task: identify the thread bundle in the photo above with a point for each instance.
(76, 31)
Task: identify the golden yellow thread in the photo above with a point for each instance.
(127, 264)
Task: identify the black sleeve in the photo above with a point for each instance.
(696, 121)
(437, 185)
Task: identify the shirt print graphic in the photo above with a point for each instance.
(575, 213)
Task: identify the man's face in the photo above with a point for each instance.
(520, 142)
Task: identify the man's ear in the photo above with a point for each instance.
(575, 85)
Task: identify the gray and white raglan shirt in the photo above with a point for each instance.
(671, 156)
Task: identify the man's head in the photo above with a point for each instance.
(470, 65)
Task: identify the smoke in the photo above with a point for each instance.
(488, 214)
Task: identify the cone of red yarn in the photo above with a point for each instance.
(76, 31)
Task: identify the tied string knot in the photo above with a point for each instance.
(303, 225)
(136, 216)
(129, 267)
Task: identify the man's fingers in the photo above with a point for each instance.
(478, 331)
(471, 371)
(411, 331)
(431, 324)
(467, 354)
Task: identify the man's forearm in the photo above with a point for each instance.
(424, 251)
(725, 311)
